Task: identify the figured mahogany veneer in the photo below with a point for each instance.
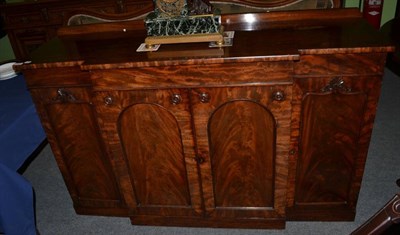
(274, 128)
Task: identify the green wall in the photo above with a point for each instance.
(389, 8)
(6, 52)
(351, 3)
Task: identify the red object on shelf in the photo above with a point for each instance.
(372, 11)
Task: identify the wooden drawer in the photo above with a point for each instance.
(51, 77)
(340, 64)
(217, 75)
(63, 94)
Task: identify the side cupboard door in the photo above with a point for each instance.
(242, 135)
(70, 123)
(334, 105)
(150, 138)
(337, 115)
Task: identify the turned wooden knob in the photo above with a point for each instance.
(176, 99)
(108, 100)
(278, 95)
(204, 97)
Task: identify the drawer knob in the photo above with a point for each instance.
(278, 96)
(337, 84)
(108, 100)
(64, 95)
(176, 99)
(204, 97)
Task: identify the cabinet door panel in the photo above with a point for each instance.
(152, 143)
(242, 136)
(79, 154)
(149, 134)
(333, 120)
(242, 157)
(330, 133)
(91, 177)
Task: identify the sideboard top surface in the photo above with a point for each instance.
(258, 37)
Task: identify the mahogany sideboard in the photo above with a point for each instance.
(274, 128)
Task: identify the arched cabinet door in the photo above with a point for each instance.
(150, 138)
(242, 154)
(241, 135)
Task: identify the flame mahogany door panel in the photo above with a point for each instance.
(242, 135)
(150, 137)
(330, 132)
(337, 114)
(80, 155)
(334, 103)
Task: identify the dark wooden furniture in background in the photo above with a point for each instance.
(29, 23)
(274, 128)
(2, 30)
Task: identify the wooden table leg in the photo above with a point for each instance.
(383, 219)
